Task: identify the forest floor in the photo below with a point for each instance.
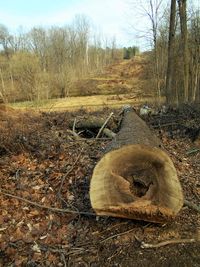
(43, 168)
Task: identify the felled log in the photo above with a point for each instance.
(136, 178)
(92, 123)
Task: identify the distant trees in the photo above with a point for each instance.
(5, 39)
(45, 63)
(24, 68)
(130, 52)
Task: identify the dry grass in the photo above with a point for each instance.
(88, 102)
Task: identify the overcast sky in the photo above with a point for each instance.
(110, 17)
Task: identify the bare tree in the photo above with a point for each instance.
(184, 44)
(171, 49)
(5, 39)
(152, 9)
(38, 43)
(195, 56)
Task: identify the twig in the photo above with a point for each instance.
(103, 126)
(74, 126)
(113, 226)
(77, 137)
(46, 207)
(168, 242)
(63, 259)
(164, 125)
(192, 205)
(192, 151)
(61, 250)
(113, 236)
(92, 139)
(17, 173)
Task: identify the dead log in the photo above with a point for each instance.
(92, 123)
(136, 178)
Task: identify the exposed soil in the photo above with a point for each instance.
(41, 161)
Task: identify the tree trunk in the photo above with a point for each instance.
(184, 41)
(170, 93)
(136, 179)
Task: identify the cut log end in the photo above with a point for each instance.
(136, 182)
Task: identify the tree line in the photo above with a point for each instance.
(45, 63)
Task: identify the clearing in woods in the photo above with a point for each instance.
(125, 82)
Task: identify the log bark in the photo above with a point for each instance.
(136, 178)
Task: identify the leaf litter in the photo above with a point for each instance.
(41, 161)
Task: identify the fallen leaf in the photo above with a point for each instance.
(36, 248)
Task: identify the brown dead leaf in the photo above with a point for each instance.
(1, 219)
(36, 256)
(34, 213)
(11, 251)
(17, 235)
(20, 261)
(62, 232)
(52, 258)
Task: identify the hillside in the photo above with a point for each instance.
(124, 82)
(122, 77)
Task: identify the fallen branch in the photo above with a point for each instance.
(74, 126)
(165, 125)
(90, 123)
(113, 236)
(93, 139)
(104, 125)
(168, 242)
(77, 137)
(192, 205)
(192, 151)
(46, 207)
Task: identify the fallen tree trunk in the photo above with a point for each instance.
(91, 123)
(136, 178)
